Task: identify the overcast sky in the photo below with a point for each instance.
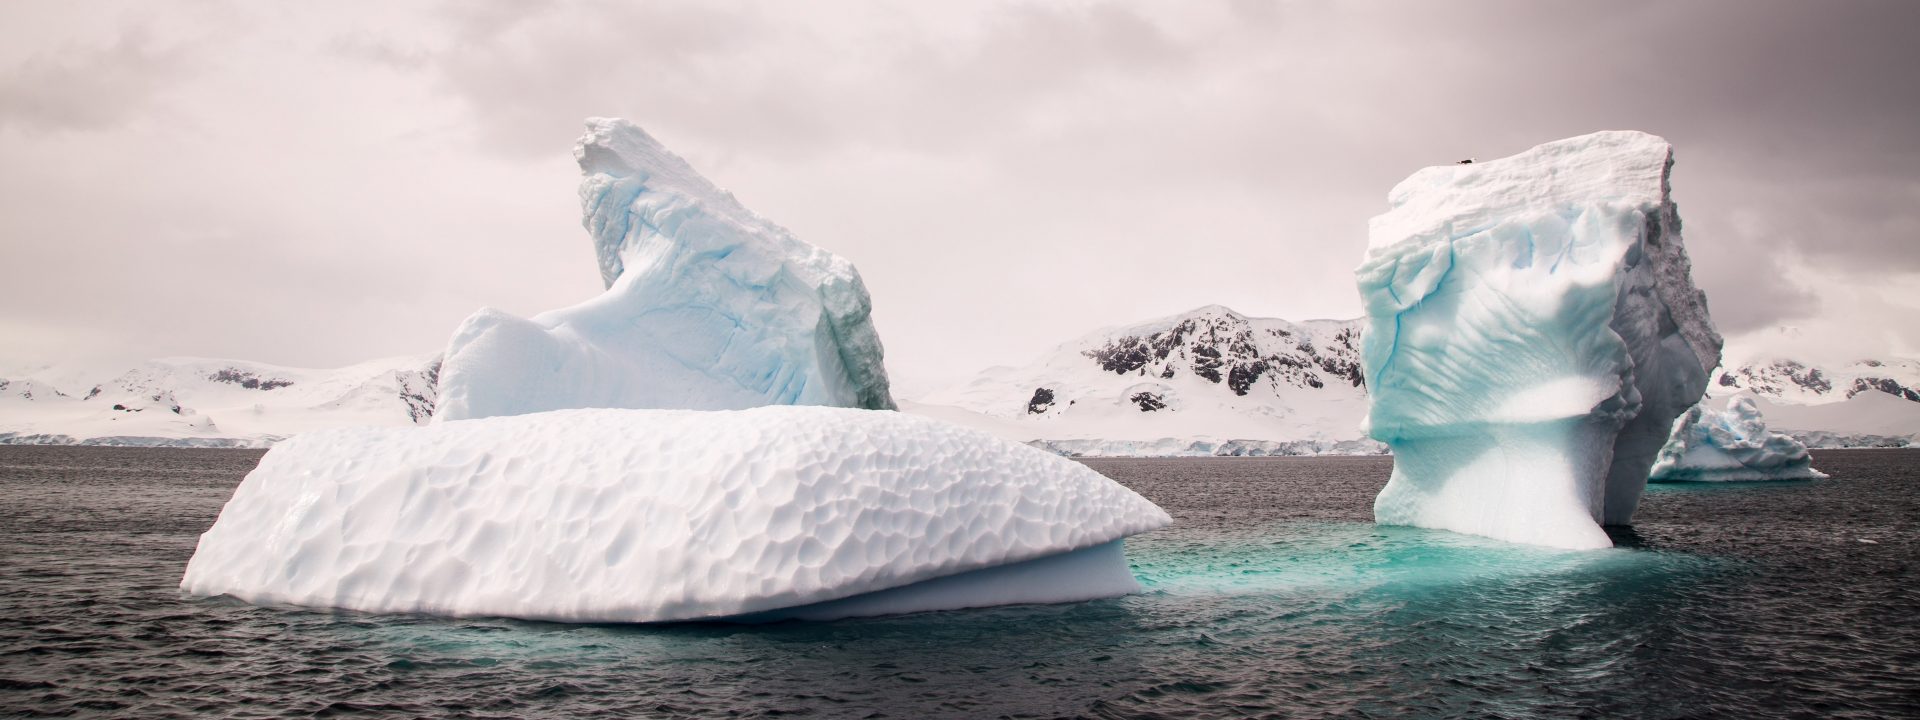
(316, 184)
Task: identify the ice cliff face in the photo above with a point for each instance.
(708, 306)
(1710, 445)
(1532, 332)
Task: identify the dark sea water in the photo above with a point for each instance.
(1273, 595)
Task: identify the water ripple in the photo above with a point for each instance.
(1272, 596)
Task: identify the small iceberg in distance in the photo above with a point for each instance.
(1730, 446)
(1532, 331)
(666, 515)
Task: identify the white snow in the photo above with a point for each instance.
(1532, 332)
(1869, 419)
(1806, 382)
(204, 401)
(1730, 445)
(659, 515)
(1220, 383)
(708, 307)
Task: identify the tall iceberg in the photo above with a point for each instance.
(663, 515)
(1532, 332)
(708, 307)
(1732, 445)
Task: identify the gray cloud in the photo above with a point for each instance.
(1005, 175)
(88, 88)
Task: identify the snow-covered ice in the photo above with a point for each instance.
(708, 307)
(1730, 445)
(660, 515)
(1532, 332)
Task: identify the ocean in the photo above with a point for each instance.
(1272, 595)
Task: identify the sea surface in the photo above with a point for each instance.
(1272, 595)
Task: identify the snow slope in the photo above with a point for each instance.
(1872, 419)
(658, 515)
(708, 306)
(1208, 381)
(45, 406)
(1092, 411)
(1532, 332)
(1795, 382)
(221, 403)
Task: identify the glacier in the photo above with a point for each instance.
(708, 306)
(1532, 331)
(617, 515)
(1731, 445)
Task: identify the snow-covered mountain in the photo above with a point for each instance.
(1209, 381)
(1798, 383)
(1206, 382)
(1215, 382)
(1863, 403)
(215, 403)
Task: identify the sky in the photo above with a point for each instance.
(317, 184)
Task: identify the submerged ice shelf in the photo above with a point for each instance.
(661, 515)
(708, 307)
(1532, 332)
(1732, 445)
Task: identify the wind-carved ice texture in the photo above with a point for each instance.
(1734, 445)
(708, 307)
(1532, 332)
(659, 515)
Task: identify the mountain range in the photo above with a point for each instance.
(200, 402)
(1210, 381)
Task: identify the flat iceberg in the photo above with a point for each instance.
(1532, 332)
(661, 515)
(1731, 445)
(708, 307)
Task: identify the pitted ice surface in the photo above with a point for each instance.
(658, 515)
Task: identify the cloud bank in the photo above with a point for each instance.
(316, 185)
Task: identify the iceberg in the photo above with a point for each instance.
(612, 515)
(1532, 331)
(1733, 445)
(708, 307)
